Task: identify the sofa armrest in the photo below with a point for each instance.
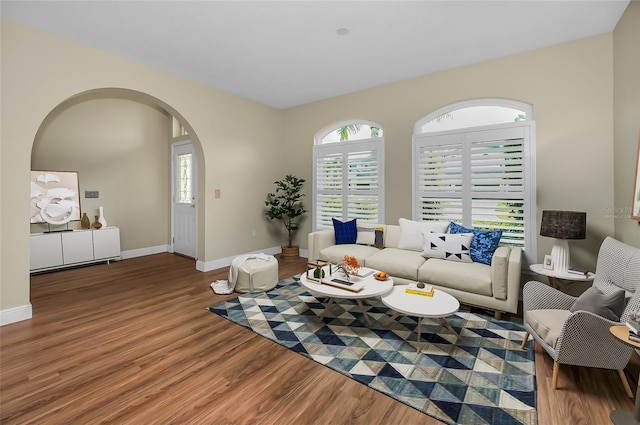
(318, 241)
(505, 272)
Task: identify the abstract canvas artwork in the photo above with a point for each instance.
(55, 197)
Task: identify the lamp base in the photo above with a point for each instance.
(560, 256)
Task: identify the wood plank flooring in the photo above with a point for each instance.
(132, 343)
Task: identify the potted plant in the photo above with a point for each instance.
(286, 205)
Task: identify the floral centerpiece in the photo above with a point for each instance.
(350, 265)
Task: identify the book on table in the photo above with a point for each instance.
(633, 337)
(634, 326)
(426, 290)
(578, 272)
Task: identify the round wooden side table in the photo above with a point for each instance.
(623, 417)
(562, 282)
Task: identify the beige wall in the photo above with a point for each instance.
(571, 89)
(244, 146)
(237, 140)
(626, 115)
(121, 148)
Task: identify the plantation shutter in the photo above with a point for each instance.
(348, 182)
(328, 185)
(477, 178)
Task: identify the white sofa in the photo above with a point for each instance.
(495, 287)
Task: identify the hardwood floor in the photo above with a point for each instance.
(132, 343)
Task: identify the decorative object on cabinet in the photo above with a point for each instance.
(101, 219)
(563, 225)
(85, 223)
(96, 224)
(54, 197)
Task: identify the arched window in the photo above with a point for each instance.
(474, 164)
(348, 160)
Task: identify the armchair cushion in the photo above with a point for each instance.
(609, 306)
(547, 324)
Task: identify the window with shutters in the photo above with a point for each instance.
(348, 182)
(480, 176)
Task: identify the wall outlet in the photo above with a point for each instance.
(91, 194)
(253, 233)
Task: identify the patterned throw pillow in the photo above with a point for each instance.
(484, 242)
(346, 232)
(448, 246)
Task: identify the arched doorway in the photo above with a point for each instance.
(119, 141)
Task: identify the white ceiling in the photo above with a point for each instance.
(288, 53)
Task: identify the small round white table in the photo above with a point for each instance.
(372, 288)
(562, 282)
(439, 306)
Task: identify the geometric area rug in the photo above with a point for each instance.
(480, 377)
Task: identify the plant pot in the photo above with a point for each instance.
(290, 252)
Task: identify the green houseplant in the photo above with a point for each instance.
(285, 204)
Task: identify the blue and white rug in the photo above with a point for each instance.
(482, 377)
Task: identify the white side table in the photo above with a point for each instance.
(439, 306)
(563, 282)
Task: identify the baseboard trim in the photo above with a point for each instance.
(141, 252)
(15, 314)
(207, 266)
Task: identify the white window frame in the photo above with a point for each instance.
(505, 103)
(465, 137)
(345, 147)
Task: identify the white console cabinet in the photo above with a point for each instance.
(56, 250)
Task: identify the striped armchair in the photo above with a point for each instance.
(582, 338)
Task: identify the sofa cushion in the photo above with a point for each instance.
(335, 253)
(468, 277)
(346, 232)
(547, 324)
(455, 247)
(396, 262)
(609, 306)
(484, 242)
(411, 232)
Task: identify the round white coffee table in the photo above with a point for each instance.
(372, 288)
(439, 306)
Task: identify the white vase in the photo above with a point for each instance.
(101, 218)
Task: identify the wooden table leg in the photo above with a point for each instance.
(419, 332)
(364, 311)
(448, 326)
(326, 308)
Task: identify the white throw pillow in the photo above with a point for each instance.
(448, 246)
(366, 235)
(411, 232)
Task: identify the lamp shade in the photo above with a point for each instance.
(564, 224)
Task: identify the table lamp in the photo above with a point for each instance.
(563, 225)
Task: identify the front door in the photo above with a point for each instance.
(185, 207)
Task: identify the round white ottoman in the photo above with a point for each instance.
(257, 275)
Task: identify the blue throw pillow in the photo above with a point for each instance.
(484, 242)
(346, 232)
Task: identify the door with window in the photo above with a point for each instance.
(184, 196)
